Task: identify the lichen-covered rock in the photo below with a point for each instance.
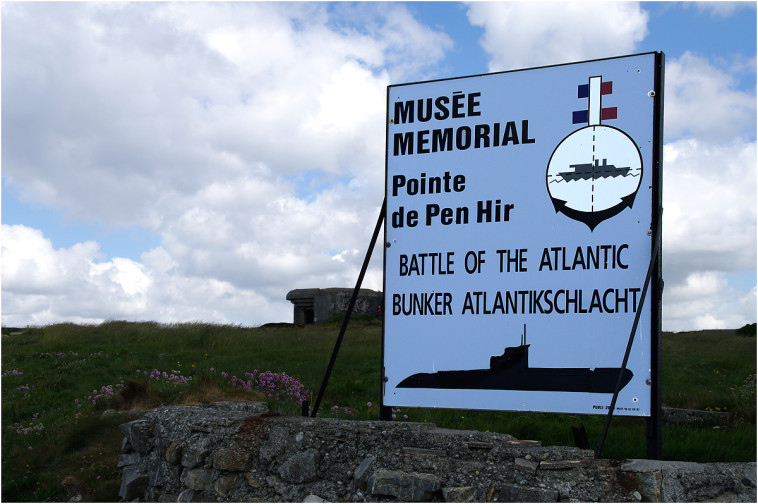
(164, 475)
(133, 483)
(360, 475)
(514, 493)
(195, 454)
(413, 487)
(231, 459)
(459, 494)
(174, 453)
(275, 443)
(139, 434)
(301, 467)
(313, 498)
(186, 496)
(197, 479)
(225, 483)
(126, 459)
(525, 465)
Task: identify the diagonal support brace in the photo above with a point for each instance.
(350, 307)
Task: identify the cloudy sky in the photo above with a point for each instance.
(196, 161)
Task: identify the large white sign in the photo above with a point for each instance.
(517, 238)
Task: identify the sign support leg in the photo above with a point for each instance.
(654, 430)
(654, 424)
(653, 263)
(350, 307)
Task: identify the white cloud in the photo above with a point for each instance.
(130, 277)
(30, 265)
(702, 100)
(709, 195)
(118, 111)
(720, 8)
(709, 202)
(43, 285)
(709, 231)
(65, 283)
(705, 300)
(528, 34)
(248, 137)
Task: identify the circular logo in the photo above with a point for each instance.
(594, 174)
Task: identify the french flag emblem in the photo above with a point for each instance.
(594, 91)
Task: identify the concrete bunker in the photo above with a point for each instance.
(315, 306)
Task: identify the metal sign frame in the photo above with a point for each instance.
(451, 145)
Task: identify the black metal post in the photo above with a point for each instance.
(654, 424)
(653, 262)
(385, 412)
(349, 312)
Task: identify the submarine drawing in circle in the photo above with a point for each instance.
(511, 371)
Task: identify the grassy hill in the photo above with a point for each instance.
(58, 380)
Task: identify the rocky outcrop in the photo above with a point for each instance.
(235, 452)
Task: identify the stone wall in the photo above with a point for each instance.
(317, 305)
(236, 452)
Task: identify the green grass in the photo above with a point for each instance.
(55, 444)
(706, 369)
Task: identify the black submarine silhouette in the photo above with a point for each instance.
(511, 371)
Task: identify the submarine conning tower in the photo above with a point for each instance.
(515, 358)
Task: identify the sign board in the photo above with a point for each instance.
(520, 213)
